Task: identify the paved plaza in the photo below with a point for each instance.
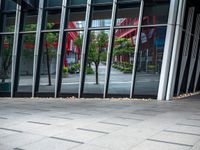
(96, 124)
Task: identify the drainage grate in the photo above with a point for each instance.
(42, 123)
(68, 140)
(111, 123)
(11, 130)
(17, 149)
(126, 118)
(62, 117)
(171, 131)
(75, 113)
(170, 142)
(3, 118)
(90, 130)
(23, 113)
(189, 125)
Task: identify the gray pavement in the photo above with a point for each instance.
(96, 124)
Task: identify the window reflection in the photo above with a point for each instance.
(52, 19)
(127, 14)
(149, 60)
(76, 18)
(71, 62)
(48, 62)
(96, 62)
(101, 16)
(26, 63)
(155, 13)
(122, 61)
(30, 21)
(5, 62)
(8, 22)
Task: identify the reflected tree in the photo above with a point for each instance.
(50, 39)
(6, 57)
(97, 52)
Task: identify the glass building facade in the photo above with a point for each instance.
(99, 48)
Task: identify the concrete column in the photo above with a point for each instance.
(167, 49)
(15, 46)
(186, 46)
(194, 51)
(197, 73)
(176, 49)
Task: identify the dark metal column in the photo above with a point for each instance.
(137, 48)
(37, 45)
(110, 48)
(15, 48)
(61, 47)
(84, 48)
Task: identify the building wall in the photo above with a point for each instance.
(107, 49)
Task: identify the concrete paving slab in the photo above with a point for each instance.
(99, 124)
(152, 145)
(50, 144)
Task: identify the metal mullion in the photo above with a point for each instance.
(60, 47)
(15, 48)
(186, 47)
(164, 75)
(137, 48)
(197, 73)
(37, 45)
(110, 48)
(125, 27)
(194, 51)
(47, 31)
(27, 32)
(98, 28)
(72, 30)
(6, 33)
(1, 16)
(84, 47)
(176, 50)
(154, 25)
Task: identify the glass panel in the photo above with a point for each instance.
(8, 22)
(53, 3)
(149, 60)
(127, 14)
(26, 63)
(129, 0)
(52, 19)
(9, 5)
(30, 21)
(103, 1)
(78, 2)
(76, 18)
(156, 12)
(96, 62)
(71, 63)
(101, 16)
(122, 60)
(48, 62)
(6, 62)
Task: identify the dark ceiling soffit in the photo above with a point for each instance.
(26, 3)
